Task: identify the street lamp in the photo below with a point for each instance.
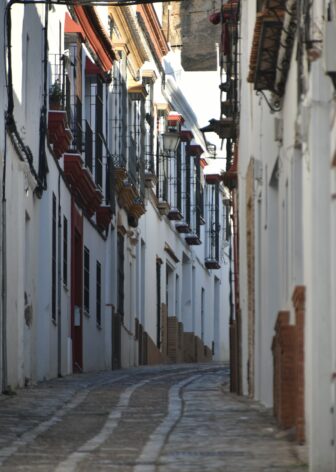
(170, 142)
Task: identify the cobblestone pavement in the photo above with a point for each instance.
(154, 419)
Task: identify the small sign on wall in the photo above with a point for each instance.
(77, 317)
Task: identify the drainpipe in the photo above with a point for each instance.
(4, 385)
(4, 276)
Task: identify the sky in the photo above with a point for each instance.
(202, 92)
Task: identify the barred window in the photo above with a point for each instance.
(86, 280)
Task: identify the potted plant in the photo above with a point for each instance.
(55, 95)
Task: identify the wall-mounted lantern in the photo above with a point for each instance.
(171, 137)
(170, 142)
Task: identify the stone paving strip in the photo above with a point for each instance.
(73, 415)
(220, 432)
(32, 434)
(94, 443)
(151, 452)
(118, 416)
(161, 419)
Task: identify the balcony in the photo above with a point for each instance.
(59, 134)
(212, 264)
(212, 179)
(230, 177)
(104, 217)
(82, 185)
(183, 227)
(174, 214)
(267, 41)
(163, 207)
(193, 239)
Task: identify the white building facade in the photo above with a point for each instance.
(114, 251)
(286, 217)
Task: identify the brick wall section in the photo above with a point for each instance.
(233, 357)
(172, 343)
(299, 306)
(288, 357)
(287, 391)
(189, 347)
(282, 320)
(284, 351)
(154, 355)
(164, 329)
(180, 343)
(199, 346)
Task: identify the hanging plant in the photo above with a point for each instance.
(55, 95)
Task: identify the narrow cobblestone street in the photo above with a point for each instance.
(171, 418)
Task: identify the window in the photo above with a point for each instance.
(217, 225)
(118, 116)
(179, 178)
(198, 199)
(53, 258)
(137, 134)
(86, 281)
(149, 126)
(158, 303)
(213, 227)
(99, 134)
(187, 189)
(121, 275)
(98, 293)
(65, 251)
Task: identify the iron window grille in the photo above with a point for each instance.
(193, 199)
(118, 113)
(183, 188)
(162, 173)
(175, 185)
(212, 228)
(149, 128)
(64, 71)
(95, 142)
(86, 280)
(56, 81)
(65, 251)
(121, 274)
(98, 293)
(136, 148)
(85, 108)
